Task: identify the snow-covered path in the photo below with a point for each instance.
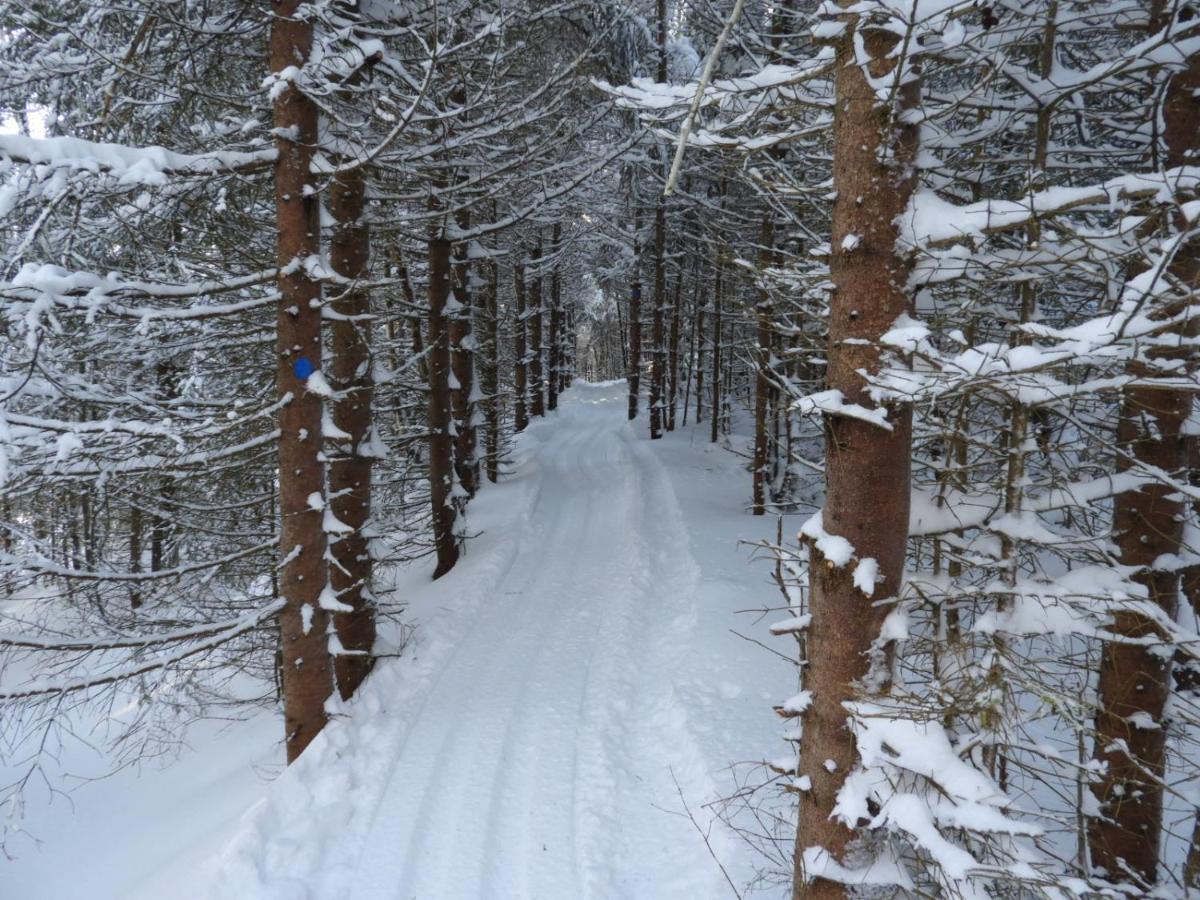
(551, 732)
(537, 742)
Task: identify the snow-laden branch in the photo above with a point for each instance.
(129, 165)
(931, 221)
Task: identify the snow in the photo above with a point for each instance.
(931, 220)
(568, 688)
(794, 625)
(145, 833)
(836, 550)
(129, 165)
(866, 575)
(329, 601)
(316, 384)
(833, 403)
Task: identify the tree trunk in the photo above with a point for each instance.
(658, 335)
(635, 325)
(491, 371)
(693, 348)
(462, 365)
(570, 349)
(1135, 678)
(762, 364)
(552, 383)
(350, 465)
(537, 380)
(715, 352)
(307, 672)
(441, 443)
(673, 368)
(867, 467)
(521, 351)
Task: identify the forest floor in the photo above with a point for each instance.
(572, 702)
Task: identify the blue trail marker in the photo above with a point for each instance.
(303, 367)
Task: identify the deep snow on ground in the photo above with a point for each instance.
(570, 686)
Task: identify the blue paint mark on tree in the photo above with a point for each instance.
(303, 367)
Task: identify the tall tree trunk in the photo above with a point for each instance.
(441, 443)
(658, 332)
(635, 324)
(762, 364)
(693, 348)
(658, 335)
(570, 349)
(715, 411)
(521, 351)
(350, 466)
(537, 379)
(307, 672)
(673, 368)
(867, 467)
(491, 370)
(552, 383)
(463, 397)
(1135, 677)
(624, 345)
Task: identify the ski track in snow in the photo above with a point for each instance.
(530, 744)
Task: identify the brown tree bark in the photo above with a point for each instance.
(307, 672)
(537, 378)
(1135, 679)
(462, 365)
(441, 443)
(867, 467)
(350, 464)
(521, 351)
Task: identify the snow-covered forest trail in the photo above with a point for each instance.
(552, 729)
(539, 741)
